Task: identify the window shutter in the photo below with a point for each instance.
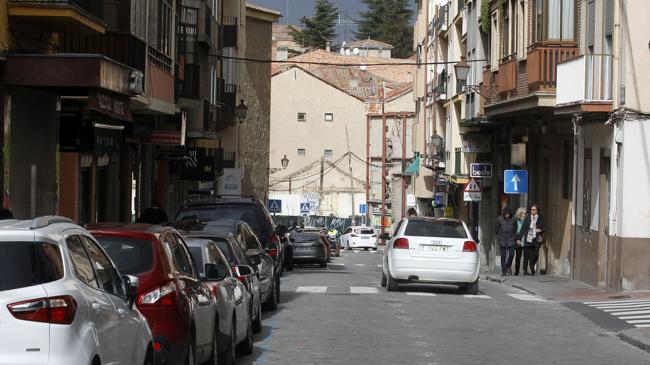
(591, 22)
(609, 17)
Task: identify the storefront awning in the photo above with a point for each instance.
(455, 179)
(414, 167)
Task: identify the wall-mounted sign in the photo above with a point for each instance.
(480, 170)
(165, 138)
(114, 105)
(197, 166)
(106, 139)
(230, 182)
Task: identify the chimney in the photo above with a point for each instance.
(328, 45)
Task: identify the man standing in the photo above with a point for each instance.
(506, 231)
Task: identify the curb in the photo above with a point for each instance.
(504, 281)
(632, 337)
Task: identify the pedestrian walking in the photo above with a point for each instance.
(506, 234)
(153, 215)
(520, 216)
(532, 232)
(411, 212)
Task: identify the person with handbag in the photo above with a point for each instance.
(520, 216)
(532, 232)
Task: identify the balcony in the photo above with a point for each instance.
(507, 76)
(442, 19)
(72, 16)
(225, 159)
(211, 117)
(585, 82)
(122, 48)
(189, 86)
(542, 63)
(229, 98)
(230, 31)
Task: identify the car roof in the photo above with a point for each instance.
(50, 227)
(434, 219)
(210, 234)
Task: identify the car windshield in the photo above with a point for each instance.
(197, 255)
(24, 264)
(435, 228)
(305, 237)
(248, 213)
(132, 256)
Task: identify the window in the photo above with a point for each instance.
(446, 228)
(83, 269)
(109, 278)
(217, 257)
(555, 20)
(328, 153)
(302, 117)
(179, 255)
(301, 152)
(164, 36)
(329, 117)
(131, 256)
(494, 42)
(24, 264)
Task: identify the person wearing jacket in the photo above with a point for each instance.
(520, 216)
(531, 235)
(505, 230)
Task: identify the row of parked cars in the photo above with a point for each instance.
(185, 292)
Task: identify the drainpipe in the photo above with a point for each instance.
(576, 133)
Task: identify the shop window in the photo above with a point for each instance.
(301, 152)
(302, 117)
(328, 153)
(329, 117)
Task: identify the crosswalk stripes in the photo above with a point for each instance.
(635, 312)
(478, 296)
(363, 290)
(420, 294)
(527, 297)
(311, 289)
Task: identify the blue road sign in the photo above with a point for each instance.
(304, 208)
(274, 206)
(363, 208)
(515, 181)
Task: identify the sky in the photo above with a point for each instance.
(292, 10)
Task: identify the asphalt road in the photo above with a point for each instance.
(340, 315)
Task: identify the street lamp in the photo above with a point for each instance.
(241, 110)
(285, 162)
(462, 70)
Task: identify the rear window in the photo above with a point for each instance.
(131, 256)
(249, 213)
(365, 231)
(197, 255)
(24, 264)
(305, 237)
(436, 228)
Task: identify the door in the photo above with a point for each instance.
(110, 281)
(102, 314)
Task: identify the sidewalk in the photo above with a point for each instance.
(562, 289)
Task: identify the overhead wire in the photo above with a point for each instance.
(331, 165)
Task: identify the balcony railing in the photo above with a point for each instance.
(92, 7)
(230, 31)
(229, 98)
(542, 63)
(189, 87)
(507, 76)
(122, 48)
(442, 19)
(587, 78)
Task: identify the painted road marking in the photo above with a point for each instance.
(635, 312)
(636, 301)
(359, 264)
(420, 294)
(363, 290)
(478, 296)
(311, 289)
(527, 297)
(629, 313)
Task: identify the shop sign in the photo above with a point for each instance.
(107, 139)
(172, 138)
(480, 170)
(197, 166)
(113, 105)
(230, 182)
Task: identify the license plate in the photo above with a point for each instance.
(432, 248)
(364, 238)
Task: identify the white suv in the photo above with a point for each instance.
(62, 301)
(359, 237)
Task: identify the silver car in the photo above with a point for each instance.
(62, 301)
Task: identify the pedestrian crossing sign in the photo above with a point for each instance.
(304, 208)
(472, 191)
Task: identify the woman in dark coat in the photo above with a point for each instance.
(505, 230)
(531, 235)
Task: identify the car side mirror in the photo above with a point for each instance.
(131, 284)
(256, 259)
(244, 270)
(281, 229)
(384, 236)
(215, 272)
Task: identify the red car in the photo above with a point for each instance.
(181, 309)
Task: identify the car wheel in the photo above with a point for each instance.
(374, 248)
(471, 288)
(189, 358)
(365, 248)
(246, 347)
(272, 303)
(228, 357)
(214, 356)
(257, 322)
(391, 284)
(383, 279)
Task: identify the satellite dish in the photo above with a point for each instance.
(355, 51)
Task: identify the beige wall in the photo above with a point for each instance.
(636, 55)
(296, 91)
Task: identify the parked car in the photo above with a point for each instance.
(234, 301)
(322, 232)
(309, 247)
(431, 250)
(359, 237)
(62, 299)
(236, 256)
(269, 277)
(287, 246)
(180, 309)
(247, 209)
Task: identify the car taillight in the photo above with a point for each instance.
(401, 243)
(55, 310)
(469, 246)
(273, 252)
(163, 296)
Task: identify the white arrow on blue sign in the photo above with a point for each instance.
(515, 181)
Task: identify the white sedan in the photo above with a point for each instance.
(359, 237)
(431, 250)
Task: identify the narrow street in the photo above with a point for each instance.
(341, 315)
